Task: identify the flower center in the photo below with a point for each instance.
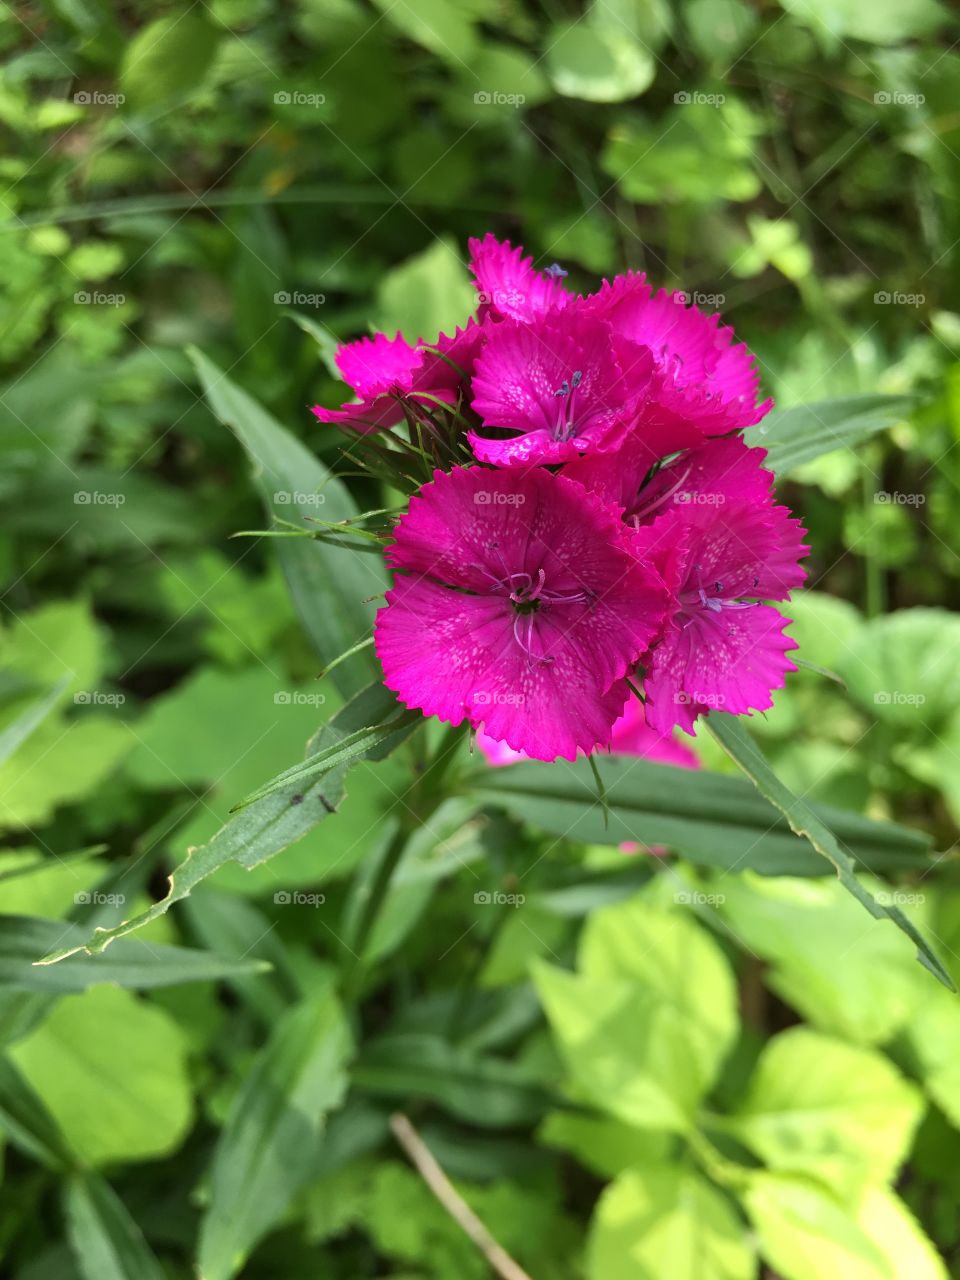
(567, 423)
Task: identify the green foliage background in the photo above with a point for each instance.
(631, 1067)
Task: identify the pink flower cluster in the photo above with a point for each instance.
(614, 532)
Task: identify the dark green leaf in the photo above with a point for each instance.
(795, 436)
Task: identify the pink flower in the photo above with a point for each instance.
(519, 606)
(709, 474)
(556, 384)
(630, 736)
(704, 377)
(384, 372)
(724, 648)
(508, 286)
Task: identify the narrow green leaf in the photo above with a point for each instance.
(350, 748)
(328, 584)
(106, 1242)
(269, 1146)
(21, 728)
(741, 748)
(268, 826)
(134, 964)
(27, 1122)
(798, 435)
(710, 818)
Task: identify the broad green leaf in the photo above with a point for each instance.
(442, 26)
(106, 1241)
(712, 819)
(427, 295)
(798, 435)
(265, 828)
(61, 762)
(604, 1145)
(27, 1122)
(667, 953)
(841, 1115)
(629, 1051)
(168, 59)
(826, 957)
(665, 1216)
(805, 1233)
(933, 1044)
(737, 742)
(699, 152)
(132, 963)
(269, 1146)
(884, 22)
(597, 63)
(112, 1071)
(482, 1089)
(329, 585)
(903, 667)
(34, 884)
(720, 29)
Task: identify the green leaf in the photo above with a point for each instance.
(735, 740)
(841, 1115)
(710, 818)
(427, 294)
(643, 1029)
(597, 63)
(884, 22)
(106, 1241)
(826, 958)
(19, 729)
(168, 59)
(353, 746)
(932, 1038)
(27, 1122)
(263, 829)
(798, 435)
(441, 26)
(679, 961)
(903, 667)
(112, 1071)
(666, 1215)
(268, 1148)
(329, 585)
(132, 963)
(484, 1090)
(807, 1234)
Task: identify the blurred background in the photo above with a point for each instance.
(263, 181)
